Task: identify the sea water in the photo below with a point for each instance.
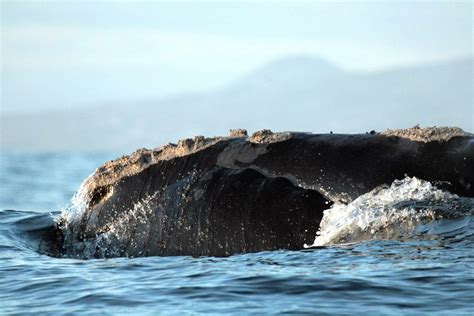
(365, 259)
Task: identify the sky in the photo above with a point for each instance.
(71, 54)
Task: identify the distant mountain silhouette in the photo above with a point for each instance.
(295, 93)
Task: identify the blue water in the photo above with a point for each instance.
(380, 277)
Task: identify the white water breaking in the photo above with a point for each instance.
(76, 207)
(398, 211)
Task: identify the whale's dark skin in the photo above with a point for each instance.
(218, 197)
(216, 213)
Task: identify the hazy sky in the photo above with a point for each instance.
(64, 54)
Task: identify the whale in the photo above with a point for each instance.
(221, 196)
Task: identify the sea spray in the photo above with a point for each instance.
(389, 212)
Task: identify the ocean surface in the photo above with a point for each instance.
(405, 249)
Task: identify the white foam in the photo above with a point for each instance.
(76, 207)
(389, 212)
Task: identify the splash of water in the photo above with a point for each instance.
(75, 208)
(389, 213)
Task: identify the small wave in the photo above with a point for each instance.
(400, 211)
(28, 230)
